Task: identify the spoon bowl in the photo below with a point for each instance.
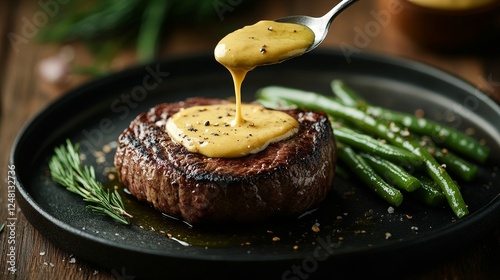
(319, 25)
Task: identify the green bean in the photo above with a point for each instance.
(443, 134)
(448, 186)
(429, 193)
(391, 173)
(366, 174)
(368, 124)
(347, 96)
(450, 137)
(455, 164)
(369, 144)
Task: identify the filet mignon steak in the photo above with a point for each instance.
(287, 178)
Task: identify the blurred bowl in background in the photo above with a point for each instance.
(446, 24)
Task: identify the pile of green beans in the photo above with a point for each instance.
(392, 153)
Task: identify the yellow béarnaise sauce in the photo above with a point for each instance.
(235, 130)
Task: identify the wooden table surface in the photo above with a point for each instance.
(24, 92)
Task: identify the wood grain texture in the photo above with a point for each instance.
(23, 94)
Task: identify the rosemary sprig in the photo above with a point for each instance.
(67, 169)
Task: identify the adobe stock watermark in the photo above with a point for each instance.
(122, 274)
(373, 28)
(123, 105)
(221, 7)
(11, 224)
(310, 265)
(458, 113)
(30, 26)
(454, 115)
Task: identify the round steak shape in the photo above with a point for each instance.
(287, 178)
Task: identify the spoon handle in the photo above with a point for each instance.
(330, 16)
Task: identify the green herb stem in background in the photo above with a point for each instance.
(118, 25)
(150, 29)
(67, 169)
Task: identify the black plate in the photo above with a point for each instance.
(353, 222)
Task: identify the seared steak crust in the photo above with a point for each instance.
(287, 178)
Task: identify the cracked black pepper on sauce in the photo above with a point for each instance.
(234, 130)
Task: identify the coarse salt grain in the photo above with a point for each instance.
(315, 228)
(100, 160)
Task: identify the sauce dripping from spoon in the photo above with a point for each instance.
(266, 42)
(235, 130)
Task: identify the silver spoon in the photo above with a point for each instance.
(319, 25)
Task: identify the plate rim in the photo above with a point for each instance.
(491, 208)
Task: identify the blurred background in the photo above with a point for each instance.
(67, 42)
(48, 47)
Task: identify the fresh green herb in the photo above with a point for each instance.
(66, 168)
(2, 227)
(119, 25)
